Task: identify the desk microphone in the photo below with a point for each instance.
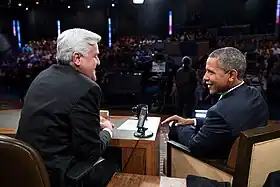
(141, 130)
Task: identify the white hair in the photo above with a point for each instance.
(74, 41)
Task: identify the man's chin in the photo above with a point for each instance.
(212, 92)
(93, 77)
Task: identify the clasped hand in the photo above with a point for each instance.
(104, 123)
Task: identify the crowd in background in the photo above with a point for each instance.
(127, 54)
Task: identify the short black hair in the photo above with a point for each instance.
(187, 61)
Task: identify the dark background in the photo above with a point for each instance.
(128, 19)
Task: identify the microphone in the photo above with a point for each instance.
(141, 130)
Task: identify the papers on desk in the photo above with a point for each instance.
(131, 124)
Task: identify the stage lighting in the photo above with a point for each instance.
(138, 1)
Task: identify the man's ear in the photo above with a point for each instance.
(233, 75)
(76, 59)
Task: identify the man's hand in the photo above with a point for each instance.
(104, 123)
(179, 120)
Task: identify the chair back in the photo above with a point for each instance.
(234, 149)
(21, 165)
(233, 154)
(257, 156)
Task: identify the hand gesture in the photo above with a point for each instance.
(178, 120)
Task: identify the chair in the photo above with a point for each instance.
(252, 158)
(21, 165)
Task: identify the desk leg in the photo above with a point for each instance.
(153, 157)
(135, 164)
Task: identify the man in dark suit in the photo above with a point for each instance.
(60, 117)
(186, 83)
(239, 108)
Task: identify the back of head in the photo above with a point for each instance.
(230, 58)
(74, 41)
(186, 62)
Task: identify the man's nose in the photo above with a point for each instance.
(205, 77)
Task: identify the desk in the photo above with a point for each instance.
(143, 160)
(146, 155)
(128, 180)
(9, 122)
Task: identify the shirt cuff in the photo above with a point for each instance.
(108, 130)
(194, 123)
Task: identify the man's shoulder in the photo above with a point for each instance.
(64, 73)
(243, 103)
(65, 84)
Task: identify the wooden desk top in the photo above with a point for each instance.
(128, 180)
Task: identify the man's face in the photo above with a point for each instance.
(87, 64)
(217, 80)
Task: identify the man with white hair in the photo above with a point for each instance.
(60, 117)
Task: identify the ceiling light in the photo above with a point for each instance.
(88, 6)
(37, 3)
(19, 4)
(68, 7)
(26, 8)
(138, 1)
(113, 5)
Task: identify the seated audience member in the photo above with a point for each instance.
(60, 117)
(239, 108)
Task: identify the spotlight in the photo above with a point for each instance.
(37, 3)
(88, 6)
(138, 1)
(26, 8)
(19, 4)
(113, 5)
(68, 7)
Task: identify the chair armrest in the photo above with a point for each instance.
(219, 163)
(172, 144)
(179, 146)
(80, 169)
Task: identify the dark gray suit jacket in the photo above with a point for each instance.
(239, 110)
(60, 119)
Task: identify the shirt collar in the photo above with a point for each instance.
(231, 90)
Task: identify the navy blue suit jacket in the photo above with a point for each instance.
(241, 109)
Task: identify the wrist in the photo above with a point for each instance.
(108, 130)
